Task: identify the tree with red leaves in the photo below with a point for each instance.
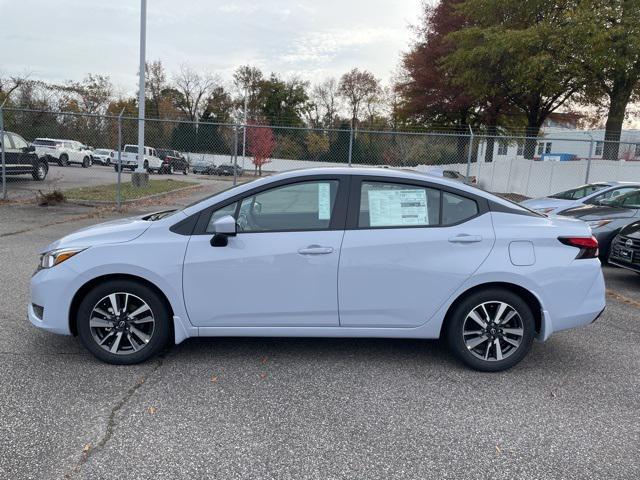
(261, 144)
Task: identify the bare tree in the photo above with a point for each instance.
(357, 87)
(9, 85)
(194, 88)
(326, 98)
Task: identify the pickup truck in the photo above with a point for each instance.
(63, 152)
(20, 157)
(151, 163)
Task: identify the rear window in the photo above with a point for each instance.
(131, 149)
(45, 143)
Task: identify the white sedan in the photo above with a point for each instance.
(333, 252)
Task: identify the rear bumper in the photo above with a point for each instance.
(581, 312)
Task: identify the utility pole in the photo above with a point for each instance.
(244, 128)
(140, 177)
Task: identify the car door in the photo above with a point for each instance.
(22, 158)
(12, 156)
(280, 269)
(407, 248)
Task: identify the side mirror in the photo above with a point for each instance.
(223, 228)
(30, 149)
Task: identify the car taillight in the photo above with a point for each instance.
(588, 246)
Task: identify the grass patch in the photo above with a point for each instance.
(107, 193)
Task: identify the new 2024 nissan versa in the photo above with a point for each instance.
(332, 252)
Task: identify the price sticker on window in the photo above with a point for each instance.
(324, 201)
(398, 207)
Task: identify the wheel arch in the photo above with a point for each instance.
(530, 298)
(78, 296)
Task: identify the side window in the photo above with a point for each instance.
(7, 142)
(222, 212)
(599, 148)
(611, 194)
(456, 209)
(298, 206)
(18, 142)
(503, 147)
(396, 205)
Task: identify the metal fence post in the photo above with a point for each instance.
(586, 180)
(4, 165)
(350, 143)
(235, 155)
(470, 151)
(119, 188)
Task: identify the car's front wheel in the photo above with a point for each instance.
(40, 171)
(123, 322)
(63, 161)
(491, 330)
(86, 162)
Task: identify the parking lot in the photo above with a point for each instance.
(23, 187)
(308, 408)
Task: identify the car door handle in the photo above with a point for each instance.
(315, 250)
(465, 239)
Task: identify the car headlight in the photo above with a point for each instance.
(598, 223)
(56, 257)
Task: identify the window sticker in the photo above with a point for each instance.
(398, 207)
(324, 201)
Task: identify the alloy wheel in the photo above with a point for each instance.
(493, 331)
(122, 323)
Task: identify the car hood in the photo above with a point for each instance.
(598, 212)
(115, 231)
(632, 231)
(539, 203)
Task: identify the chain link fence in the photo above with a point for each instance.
(90, 158)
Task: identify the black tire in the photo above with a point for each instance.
(86, 162)
(159, 335)
(456, 321)
(115, 168)
(40, 171)
(63, 161)
(185, 171)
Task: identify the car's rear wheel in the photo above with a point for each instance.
(123, 322)
(64, 160)
(185, 171)
(491, 330)
(86, 162)
(40, 171)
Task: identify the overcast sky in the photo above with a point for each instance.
(57, 40)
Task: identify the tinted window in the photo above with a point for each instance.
(456, 209)
(299, 206)
(131, 149)
(44, 143)
(397, 205)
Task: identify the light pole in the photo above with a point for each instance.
(140, 177)
(244, 128)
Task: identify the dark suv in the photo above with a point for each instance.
(21, 159)
(172, 161)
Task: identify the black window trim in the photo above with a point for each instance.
(338, 215)
(353, 213)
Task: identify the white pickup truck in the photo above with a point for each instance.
(63, 152)
(151, 161)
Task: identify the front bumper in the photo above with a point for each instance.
(50, 290)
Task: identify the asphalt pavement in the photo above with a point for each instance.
(308, 408)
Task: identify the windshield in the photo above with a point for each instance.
(628, 200)
(101, 151)
(48, 143)
(579, 192)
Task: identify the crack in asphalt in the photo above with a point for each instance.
(111, 421)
